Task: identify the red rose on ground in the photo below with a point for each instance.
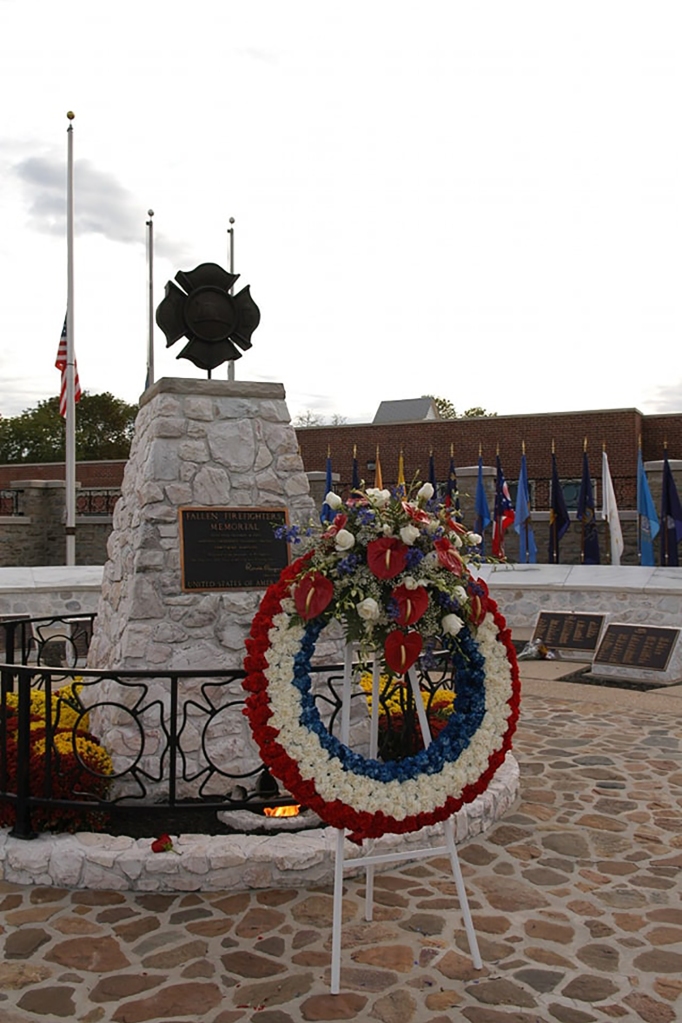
(312, 595)
(401, 650)
(387, 557)
(411, 604)
(164, 843)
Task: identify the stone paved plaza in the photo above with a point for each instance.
(575, 896)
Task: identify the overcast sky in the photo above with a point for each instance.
(478, 201)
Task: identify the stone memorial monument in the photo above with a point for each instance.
(213, 468)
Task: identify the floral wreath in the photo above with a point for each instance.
(393, 570)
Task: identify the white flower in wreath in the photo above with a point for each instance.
(473, 539)
(333, 500)
(368, 609)
(408, 534)
(410, 583)
(344, 540)
(425, 492)
(379, 498)
(451, 624)
(460, 594)
(387, 529)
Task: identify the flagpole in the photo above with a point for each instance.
(230, 231)
(664, 507)
(150, 299)
(639, 514)
(70, 425)
(582, 517)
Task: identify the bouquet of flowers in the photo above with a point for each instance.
(393, 570)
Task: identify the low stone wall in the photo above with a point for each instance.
(630, 593)
(225, 863)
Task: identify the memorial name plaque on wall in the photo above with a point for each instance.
(637, 646)
(571, 632)
(231, 548)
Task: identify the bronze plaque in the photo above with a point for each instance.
(568, 630)
(637, 646)
(231, 548)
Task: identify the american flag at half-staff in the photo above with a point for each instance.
(60, 363)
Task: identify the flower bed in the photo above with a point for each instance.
(79, 765)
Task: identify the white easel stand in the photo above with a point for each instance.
(368, 861)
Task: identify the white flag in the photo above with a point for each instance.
(610, 510)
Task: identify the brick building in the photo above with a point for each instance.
(619, 430)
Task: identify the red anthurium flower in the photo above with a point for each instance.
(401, 650)
(339, 522)
(411, 604)
(448, 556)
(455, 526)
(416, 514)
(313, 594)
(387, 557)
(478, 594)
(164, 843)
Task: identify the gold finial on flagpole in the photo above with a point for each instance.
(553, 447)
(70, 114)
(355, 451)
(523, 447)
(480, 450)
(585, 444)
(497, 448)
(452, 450)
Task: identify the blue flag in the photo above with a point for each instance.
(432, 473)
(589, 540)
(355, 478)
(558, 514)
(481, 505)
(327, 514)
(451, 491)
(648, 519)
(528, 552)
(671, 517)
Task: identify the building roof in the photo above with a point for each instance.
(409, 410)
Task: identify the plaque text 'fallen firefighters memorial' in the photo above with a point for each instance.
(231, 548)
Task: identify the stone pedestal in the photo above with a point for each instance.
(200, 443)
(197, 443)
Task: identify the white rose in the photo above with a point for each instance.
(344, 540)
(425, 492)
(408, 534)
(451, 624)
(473, 539)
(368, 609)
(333, 500)
(410, 583)
(379, 498)
(386, 529)
(460, 594)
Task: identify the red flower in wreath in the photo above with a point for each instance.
(387, 557)
(312, 595)
(448, 556)
(401, 650)
(411, 604)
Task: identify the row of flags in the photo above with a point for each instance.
(505, 515)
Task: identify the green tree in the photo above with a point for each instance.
(104, 429)
(447, 410)
(476, 410)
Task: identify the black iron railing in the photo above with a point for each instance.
(97, 501)
(49, 641)
(178, 726)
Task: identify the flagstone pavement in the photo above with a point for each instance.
(575, 896)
